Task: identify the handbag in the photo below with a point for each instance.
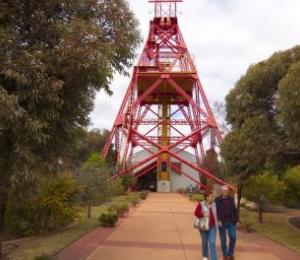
(203, 223)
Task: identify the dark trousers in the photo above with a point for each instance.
(229, 229)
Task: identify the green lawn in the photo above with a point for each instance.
(196, 197)
(275, 226)
(51, 243)
(28, 248)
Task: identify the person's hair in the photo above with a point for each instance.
(207, 193)
(225, 187)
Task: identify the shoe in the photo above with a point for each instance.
(225, 257)
(231, 257)
(205, 258)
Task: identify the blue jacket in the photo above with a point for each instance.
(221, 211)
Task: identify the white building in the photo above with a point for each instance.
(177, 180)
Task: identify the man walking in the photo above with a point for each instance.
(228, 218)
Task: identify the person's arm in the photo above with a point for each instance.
(218, 212)
(218, 208)
(235, 213)
(199, 211)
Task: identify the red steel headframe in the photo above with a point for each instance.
(165, 71)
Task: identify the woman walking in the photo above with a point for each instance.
(207, 223)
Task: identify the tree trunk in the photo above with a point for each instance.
(89, 210)
(260, 212)
(239, 198)
(3, 203)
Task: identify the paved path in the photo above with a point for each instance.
(161, 229)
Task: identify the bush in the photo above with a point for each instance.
(94, 179)
(108, 219)
(133, 198)
(128, 181)
(196, 197)
(144, 195)
(47, 207)
(123, 208)
(291, 196)
(116, 188)
(94, 161)
(119, 207)
(264, 189)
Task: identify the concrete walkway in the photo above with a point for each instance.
(161, 228)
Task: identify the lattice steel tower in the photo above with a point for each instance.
(165, 110)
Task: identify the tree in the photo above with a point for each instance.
(289, 105)
(85, 144)
(258, 138)
(256, 93)
(247, 151)
(263, 189)
(54, 56)
(211, 163)
(94, 178)
(128, 181)
(292, 192)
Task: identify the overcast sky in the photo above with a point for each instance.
(226, 36)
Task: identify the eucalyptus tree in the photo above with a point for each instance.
(55, 55)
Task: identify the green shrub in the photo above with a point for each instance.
(291, 196)
(45, 207)
(94, 161)
(134, 198)
(119, 207)
(135, 201)
(128, 181)
(116, 188)
(196, 197)
(108, 219)
(264, 189)
(144, 195)
(94, 180)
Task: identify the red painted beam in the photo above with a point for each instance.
(146, 170)
(198, 169)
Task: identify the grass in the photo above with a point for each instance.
(51, 243)
(27, 249)
(196, 197)
(275, 227)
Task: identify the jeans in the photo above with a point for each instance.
(209, 238)
(231, 230)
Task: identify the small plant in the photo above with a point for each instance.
(123, 208)
(45, 257)
(196, 197)
(108, 219)
(133, 198)
(119, 207)
(264, 189)
(135, 201)
(144, 195)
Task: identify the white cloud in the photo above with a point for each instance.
(226, 37)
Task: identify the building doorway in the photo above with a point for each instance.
(148, 181)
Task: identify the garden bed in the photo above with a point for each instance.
(295, 222)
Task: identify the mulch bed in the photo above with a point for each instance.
(295, 221)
